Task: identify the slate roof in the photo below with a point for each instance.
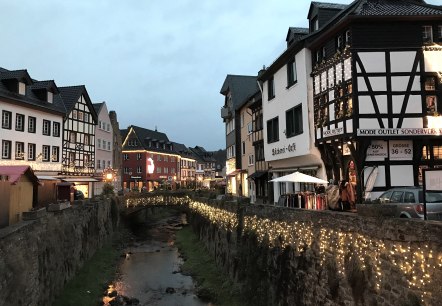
(241, 87)
(97, 107)
(396, 8)
(70, 96)
(327, 5)
(182, 150)
(298, 30)
(30, 98)
(146, 135)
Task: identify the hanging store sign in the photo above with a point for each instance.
(377, 150)
(401, 150)
(333, 132)
(400, 132)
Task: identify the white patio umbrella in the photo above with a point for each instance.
(298, 177)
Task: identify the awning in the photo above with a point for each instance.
(79, 179)
(257, 175)
(45, 177)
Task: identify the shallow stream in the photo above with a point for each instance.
(149, 273)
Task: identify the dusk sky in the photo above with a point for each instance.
(156, 63)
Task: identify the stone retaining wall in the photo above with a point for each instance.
(38, 257)
(284, 256)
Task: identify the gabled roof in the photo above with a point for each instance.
(31, 98)
(71, 95)
(182, 150)
(97, 107)
(296, 31)
(241, 86)
(21, 75)
(14, 173)
(145, 136)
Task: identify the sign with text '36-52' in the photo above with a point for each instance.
(401, 149)
(377, 150)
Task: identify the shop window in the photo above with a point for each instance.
(437, 152)
(339, 109)
(349, 88)
(349, 107)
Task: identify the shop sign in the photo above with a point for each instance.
(377, 150)
(400, 132)
(333, 132)
(401, 150)
(289, 148)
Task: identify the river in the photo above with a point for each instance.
(149, 272)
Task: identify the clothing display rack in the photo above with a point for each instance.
(305, 200)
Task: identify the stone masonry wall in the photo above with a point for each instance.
(38, 257)
(302, 257)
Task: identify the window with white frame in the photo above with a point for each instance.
(6, 149)
(46, 153)
(31, 151)
(86, 139)
(126, 170)
(31, 124)
(46, 127)
(6, 119)
(126, 156)
(138, 156)
(74, 114)
(251, 160)
(138, 169)
(230, 126)
(19, 150)
(427, 34)
(19, 122)
(99, 143)
(166, 170)
(98, 164)
(108, 145)
(72, 137)
(249, 128)
(108, 163)
(158, 169)
(21, 88)
(55, 153)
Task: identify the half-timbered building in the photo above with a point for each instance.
(377, 75)
(78, 154)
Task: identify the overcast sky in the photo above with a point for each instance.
(156, 63)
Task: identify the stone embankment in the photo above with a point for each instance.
(301, 257)
(37, 257)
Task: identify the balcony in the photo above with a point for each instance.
(226, 113)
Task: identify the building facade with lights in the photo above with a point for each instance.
(289, 144)
(377, 71)
(187, 177)
(31, 132)
(235, 89)
(78, 154)
(149, 160)
(105, 171)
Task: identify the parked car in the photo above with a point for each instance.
(409, 202)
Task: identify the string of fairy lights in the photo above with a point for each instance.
(416, 263)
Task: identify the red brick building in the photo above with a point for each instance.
(149, 160)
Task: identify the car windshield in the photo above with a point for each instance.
(431, 197)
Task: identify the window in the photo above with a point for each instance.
(45, 153)
(249, 128)
(324, 52)
(243, 148)
(31, 124)
(430, 84)
(86, 140)
(21, 88)
(138, 156)
(50, 97)
(271, 88)
(166, 158)
(427, 34)
(99, 143)
(431, 102)
(340, 42)
(259, 151)
(20, 122)
(98, 164)
(396, 197)
(158, 157)
(348, 37)
(409, 197)
(86, 117)
(19, 150)
(293, 121)
(56, 129)
(6, 149)
(6, 119)
(251, 160)
(108, 146)
(46, 127)
(138, 169)
(126, 170)
(74, 114)
(272, 130)
(439, 32)
(158, 169)
(108, 127)
(126, 156)
(72, 137)
(291, 73)
(72, 159)
(31, 151)
(55, 154)
(80, 115)
(86, 160)
(108, 163)
(166, 170)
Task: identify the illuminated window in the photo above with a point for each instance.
(437, 152)
(431, 104)
(349, 107)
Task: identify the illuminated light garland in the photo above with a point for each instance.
(416, 264)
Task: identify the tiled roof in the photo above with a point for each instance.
(49, 84)
(241, 86)
(395, 8)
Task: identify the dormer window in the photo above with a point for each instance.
(340, 42)
(21, 88)
(348, 37)
(50, 97)
(324, 52)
